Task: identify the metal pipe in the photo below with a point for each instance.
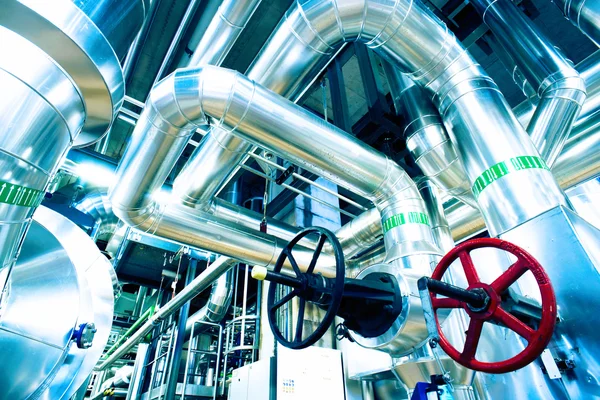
(181, 29)
(468, 100)
(435, 210)
(222, 33)
(426, 137)
(136, 48)
(171, 384)
(200, 283)
(578, 162)
(218, 302)
(584, 14)
(559, 86)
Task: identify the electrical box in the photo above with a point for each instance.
(310, 374)
(254, 381)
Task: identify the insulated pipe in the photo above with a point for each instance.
(510, 181)
(224, 29)
(200, 283)
(559, 86)
(584, 14)
(426, 137)
(218, 302)
(175, 108)
(219, 153)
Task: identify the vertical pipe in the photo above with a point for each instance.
(180, 336)
(559, 86)
(138, 372)
(139, 301)
(366, 388)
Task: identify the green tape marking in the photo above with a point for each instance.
(405, 218)
(497, 171)
(20, 195)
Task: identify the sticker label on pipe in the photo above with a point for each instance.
(503, 168)
(405, 218)
(20, 195)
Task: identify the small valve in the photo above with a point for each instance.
(84, 334)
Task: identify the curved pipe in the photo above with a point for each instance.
(217, 305)
(559, 86)
(426, 137)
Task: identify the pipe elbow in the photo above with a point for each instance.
(565, 84)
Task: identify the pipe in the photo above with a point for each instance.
(222, 33)
(559, 86)
(181, 29)
(578, 163)
(136, 48)
(468, 100)
(171, 384)
(435, 210)
(219, 152)
(97, 205)
(584, 14)
(200, 283)
(46, 112)
(426, 137)
(160, 136)
(218, 302)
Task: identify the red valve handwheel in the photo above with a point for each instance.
(537, 339)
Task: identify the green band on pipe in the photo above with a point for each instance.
(20, 195)
(503, 168)
(405, 218)
(147, 314)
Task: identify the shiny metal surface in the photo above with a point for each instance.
(224, 29)
(97, 205)
(584, 14)
(64, 32)
(159, 138)
(118, 20)
(570, 241)
(217, 305)
(557, 83)
(216, 158)
(60, 281)
(578, 162)
(39, 120)
(408, 332)
(469, 102)
(360, 234)
(426, 137)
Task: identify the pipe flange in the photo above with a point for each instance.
(77, 45)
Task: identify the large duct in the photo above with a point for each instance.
(584, 15)
(65, 83)
(97, 205)
(426, 137)
(559, 86)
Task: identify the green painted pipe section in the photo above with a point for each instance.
(147, 314)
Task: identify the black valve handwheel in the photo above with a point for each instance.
(332, 292)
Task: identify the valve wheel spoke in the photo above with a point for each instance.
(514, 324)
(445, 302)
(468, 267)
(285, 299)
(293, 262)
(472, 339)
(300, 321)
(510, 276)
(316, 254)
